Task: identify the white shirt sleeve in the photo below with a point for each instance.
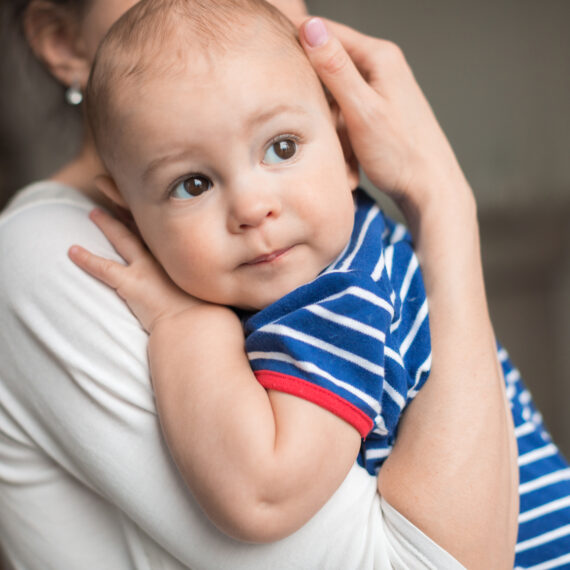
(86, 480)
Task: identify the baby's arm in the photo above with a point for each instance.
(251, 457)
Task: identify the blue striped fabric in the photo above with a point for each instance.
(356, 341)
(544, 520)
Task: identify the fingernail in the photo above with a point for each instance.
(316, 32)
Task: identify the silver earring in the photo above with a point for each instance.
(73, 94)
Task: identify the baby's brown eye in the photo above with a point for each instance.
(285, 149)
(191, 187)
(280, 151)
(195, 185)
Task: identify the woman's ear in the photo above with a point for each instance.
(106, 185)
(52, 32)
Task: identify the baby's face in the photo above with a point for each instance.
(235, 176)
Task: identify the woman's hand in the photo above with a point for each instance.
(453, 469)
(392, 129)
(141, 283)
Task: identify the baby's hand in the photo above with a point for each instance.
(142, 283)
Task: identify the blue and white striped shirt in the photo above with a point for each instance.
(356, 341)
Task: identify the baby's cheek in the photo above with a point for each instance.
(181, 268)
(344, 220)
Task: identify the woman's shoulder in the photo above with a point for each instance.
(42, 194)
(41, 215)
(37, 228)
(38, 223)
(43, 218)
(44, 296)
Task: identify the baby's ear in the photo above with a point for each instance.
(118, 205)
(350, 159)
(106, 185)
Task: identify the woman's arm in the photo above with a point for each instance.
(453, 470)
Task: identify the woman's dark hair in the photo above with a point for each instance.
(33, 112)
(18, 9)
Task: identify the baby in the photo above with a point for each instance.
(230, 163)
(219, 139)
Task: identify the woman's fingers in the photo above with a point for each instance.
(334, 65)
(360, 47)
(391, 127)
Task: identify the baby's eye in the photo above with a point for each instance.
(191, 187)
(280, 150)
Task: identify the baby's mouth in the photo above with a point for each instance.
(268, 257)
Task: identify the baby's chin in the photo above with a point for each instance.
(261, 293)
(254, 305)
(258, 303)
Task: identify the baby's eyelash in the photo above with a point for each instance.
(282, 137)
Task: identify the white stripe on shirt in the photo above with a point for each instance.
(411, 271)
(326, 346)
(420, 318)
(364, 295)
(545, 480)
(347, 322)
(551, 507)
(543, 538)
(372, 213)
(537, 454)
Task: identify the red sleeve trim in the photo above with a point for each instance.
(332, 402)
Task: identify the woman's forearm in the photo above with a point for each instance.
(453, 468)
(456, 450)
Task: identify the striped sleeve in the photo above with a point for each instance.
(325, 343)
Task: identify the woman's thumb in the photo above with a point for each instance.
(332, 63)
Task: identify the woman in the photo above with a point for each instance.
(86, 480)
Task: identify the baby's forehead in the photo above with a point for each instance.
(198, 61)
(179, 48)
(251, 39)
(143, 52)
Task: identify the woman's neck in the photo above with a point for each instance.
(81, 171)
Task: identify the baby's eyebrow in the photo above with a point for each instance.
(156, 163)
(259, 117)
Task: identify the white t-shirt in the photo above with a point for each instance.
(86, 481)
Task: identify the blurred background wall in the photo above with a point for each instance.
(497, 74)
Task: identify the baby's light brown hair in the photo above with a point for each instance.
(160, 37)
